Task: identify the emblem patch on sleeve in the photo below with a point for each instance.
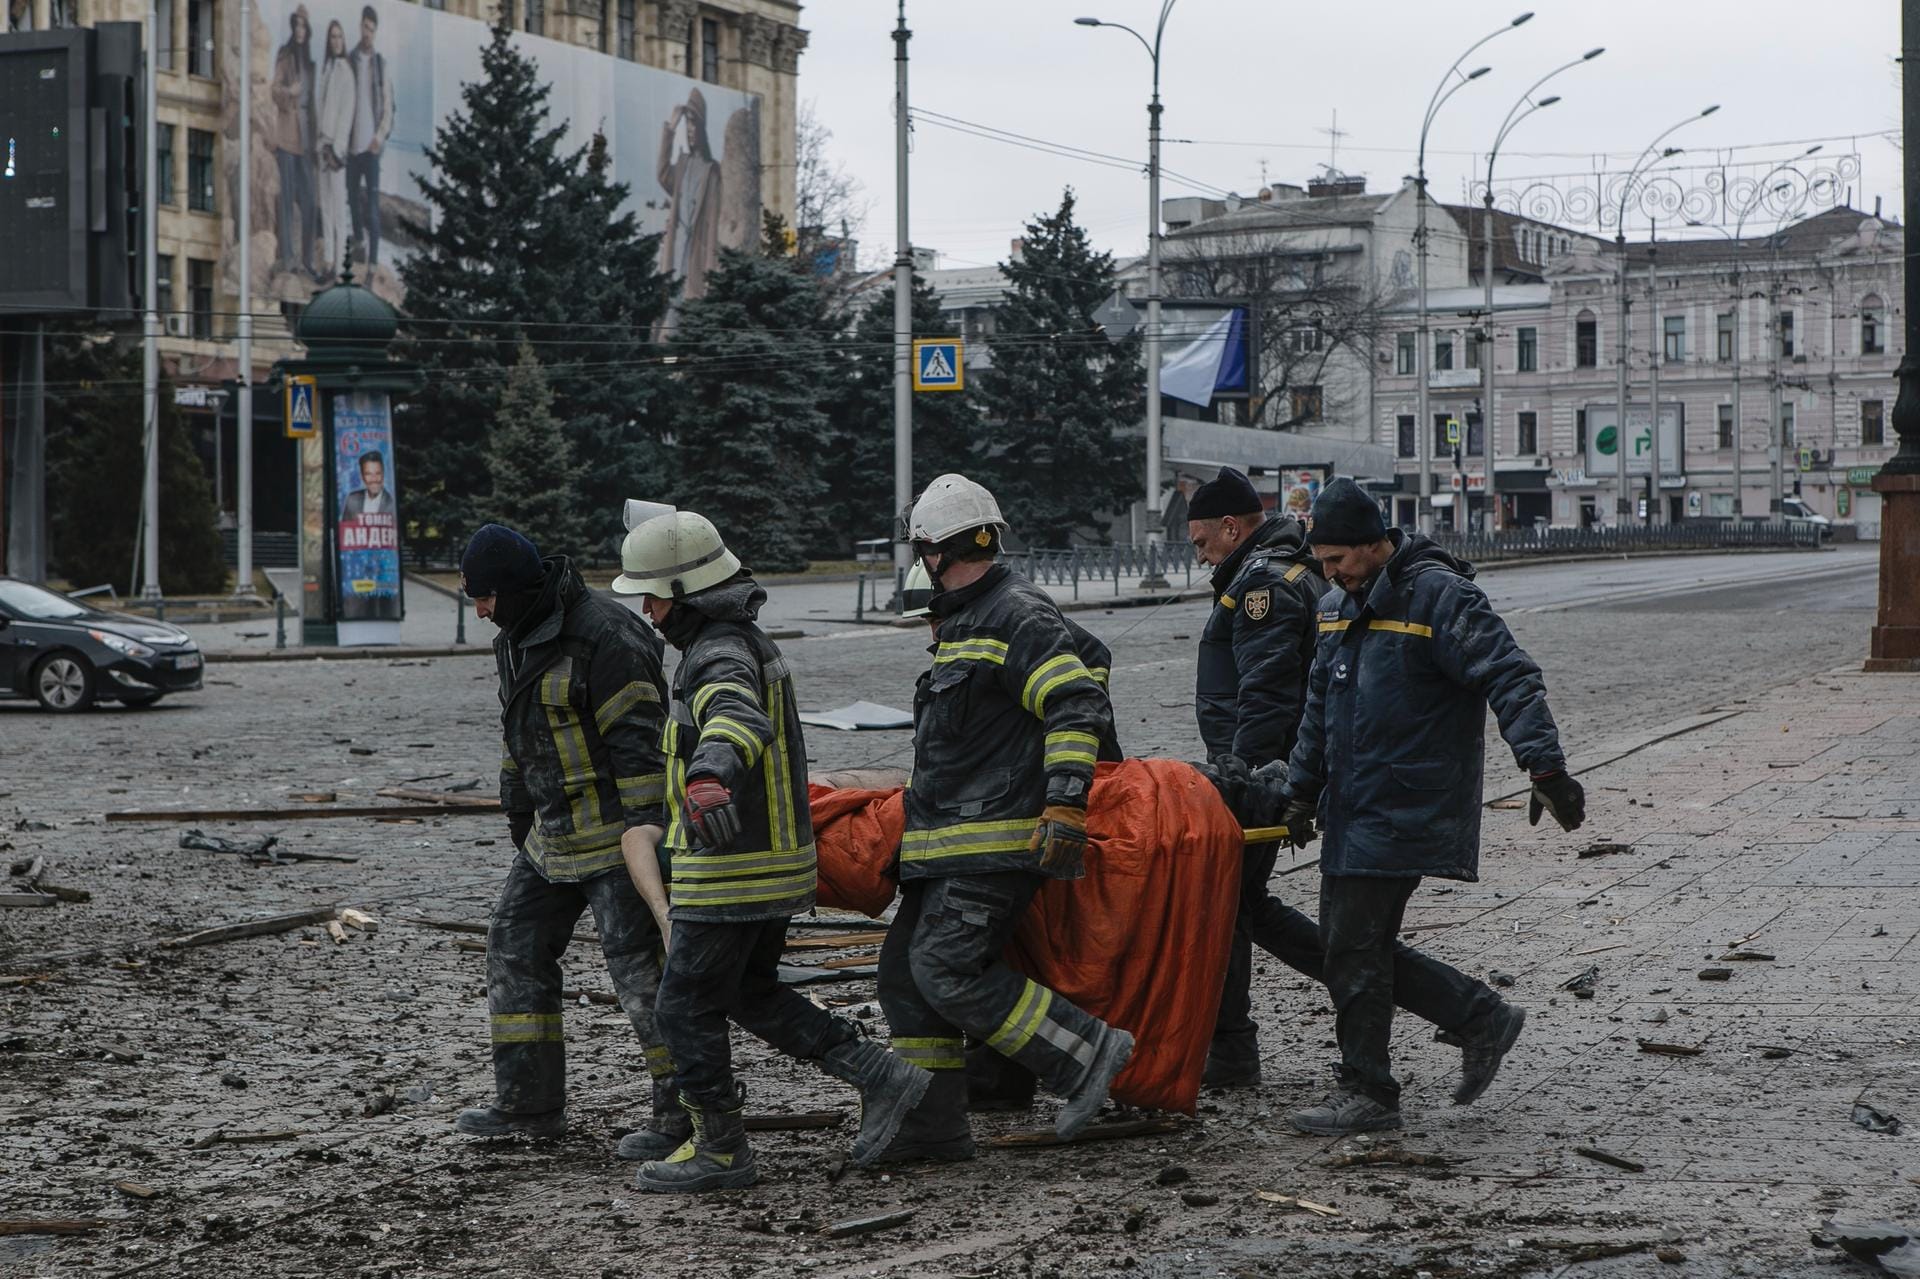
(1257, 604)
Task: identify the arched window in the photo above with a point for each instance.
(1872, 339)
(1586, 340)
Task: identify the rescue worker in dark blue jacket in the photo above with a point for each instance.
(739, 842)
(583, 784)
(1008, 724)
(1390, 751)
(1249, 690)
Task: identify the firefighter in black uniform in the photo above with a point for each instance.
(582, 702)
(1249, 691)
(1007, 726)
(739, 843)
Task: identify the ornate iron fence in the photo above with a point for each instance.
(1700, 535)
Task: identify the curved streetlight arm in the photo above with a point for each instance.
(1633, 174)
(1516, 115)
(1152, 47)
(1434, 102)
(1454, 88)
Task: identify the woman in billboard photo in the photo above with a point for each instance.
(691, 246)
(333, 123)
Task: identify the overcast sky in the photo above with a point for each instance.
(1258, 81)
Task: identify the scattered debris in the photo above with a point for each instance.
(1879, 930)
(48, 1226)
(1605, 1157)
(1715, 974)
(859, 717)
(1595, 950)
(448, 796)
(1199, 1198)
(256, 928)
(1392, 1155)
(836, 942)
(259, 851)
(867, 1225)
(1604, 848)
(1891, 1249)
(1670, 1050)
(220, 1135)
(335, 931)
(463, 807)
(1033, 1138)
(359, 919)
(1583, 985)
(135, 1189)
(28, 899)
(1753, 956)
(1172, 1175)
(1773, 1052)
(359, 750)
(1294, 1201)
(470, 946)
(1500, 979)
(1669, 1256)
(803, 975)
(315, 796)
(797, 1121)
(1874, 1119)
(378, 1102)
(1659, 1016)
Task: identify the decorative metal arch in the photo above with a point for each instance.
(1716, 195)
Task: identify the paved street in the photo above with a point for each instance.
(1767, 792)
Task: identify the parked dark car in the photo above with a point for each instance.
(66, 655)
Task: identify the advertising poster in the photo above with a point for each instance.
(367, 523)
(1299, 485)
(348, 94)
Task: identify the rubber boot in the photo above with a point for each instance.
(937, 1128)
(889, 1088)
(1109, 1056)
(489, 1121)
(663, 1134)
(715, 1157)
(994, 1083)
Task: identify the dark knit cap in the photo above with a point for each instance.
(499, 561)
(1228, 493)
(1344, 516)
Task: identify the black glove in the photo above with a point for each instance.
(1297, 817)
(520, 825)
(1230, 777)
(1560, 795)
(711, 814)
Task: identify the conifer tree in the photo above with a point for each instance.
(536, 479)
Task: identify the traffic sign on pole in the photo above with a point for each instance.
(939, 364)
(301, 421)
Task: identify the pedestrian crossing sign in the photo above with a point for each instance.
(939, 364)
(1453, 430)
(302, 390)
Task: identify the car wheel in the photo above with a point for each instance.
(63, 682)
(139, 701)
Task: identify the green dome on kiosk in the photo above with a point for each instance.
(347, 323)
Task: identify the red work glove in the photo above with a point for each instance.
(711, 814)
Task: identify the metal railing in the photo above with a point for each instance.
(1139, 561)
(1701, 535)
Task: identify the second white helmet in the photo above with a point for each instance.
(951, 505)
(674, 555)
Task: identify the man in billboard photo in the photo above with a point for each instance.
(372, 122)
(372, 497)
(333, 127)
(293, 148)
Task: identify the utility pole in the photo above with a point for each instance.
(1621, 344)
(243, 421)
(1656, 352)
(150, 323)
(1739, 331)
(902, 313)
(1489, 419)
(1778, 429)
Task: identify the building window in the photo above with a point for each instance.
(1443, 351)
(1476, 438)
(1442, 447)
(163, 169)
(1527, 352)
(710, 50)
(1870, 340)
(1673, 338)
(1724, 435)
(1873, 422)
(62, 13)
(1787, 425)
(536, 17)
(1305, 401)
(200, 299)
(1529, 441)
(200, 170)
(623, 29)
(1723, 337)
(1580, 432)
(434, 4)
(163, 34)
(1404, 442)
(200, 29)
(1586, 341)
(1786, 335)
(1404, 352)
(1304, 339)
(163, 285)
(1471, 339)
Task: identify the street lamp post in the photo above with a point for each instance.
(1152, 342)
(1489, 419)
(1448, 86)
(1620, 343)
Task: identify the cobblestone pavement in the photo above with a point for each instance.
(1770, 797)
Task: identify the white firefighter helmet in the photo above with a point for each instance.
(951, 505)
(674, 555)
(918, 592)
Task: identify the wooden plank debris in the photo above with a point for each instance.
(359, 919)
(836, 942)
(135, 1189)
(219, 1136)
(414, 796)
(384, 811)
(28, 899)
(1670, 1050)
(1605, 1157)
(1294, 1201)
(866, 1225)
(254, 928)
(48, 1226)
(335, 931)
(1392, 1155)
(1035, 1138)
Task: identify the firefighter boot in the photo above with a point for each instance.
(490, 1121)
(1109, 1055)
(715, 1157)
(889, 1088)
(663, 1134)
(937, 1128)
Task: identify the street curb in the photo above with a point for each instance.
(247, 656)
(1604, 556)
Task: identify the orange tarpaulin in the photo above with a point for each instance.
(1141, 942)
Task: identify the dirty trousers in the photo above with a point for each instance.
(719, 970)
(1422, 985)
(941, 974)
(532, 924)
(1367, 972)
